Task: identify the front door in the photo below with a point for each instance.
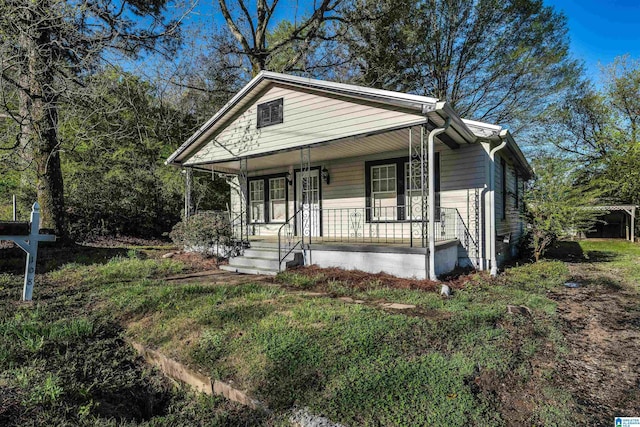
(308, 221)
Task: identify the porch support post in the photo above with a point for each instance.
(416, 181)
(188, 200)
(244, 211)
(633, 224)
(306, 221)
(432, 197)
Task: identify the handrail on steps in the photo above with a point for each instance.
(292, 247)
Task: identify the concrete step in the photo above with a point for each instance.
(266, 262)
(268, 253)
(249, 270)
(255, 244)
(245, 261)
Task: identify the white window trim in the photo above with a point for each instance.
(282, 199)
(393, 208)
(256, 202)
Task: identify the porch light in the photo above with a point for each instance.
(288, 178)
(325, 175)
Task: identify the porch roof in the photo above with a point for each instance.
(386, 142)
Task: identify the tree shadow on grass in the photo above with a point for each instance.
(50, 258)
(571, 251)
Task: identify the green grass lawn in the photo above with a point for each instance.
(447, 362)
(621, 256)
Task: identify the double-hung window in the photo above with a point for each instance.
(384, 192)
(277, 199)
(256, 200)
(268, 199)
(395, 189)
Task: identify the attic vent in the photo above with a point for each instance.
(270, 113)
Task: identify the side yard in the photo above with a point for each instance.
(324, 340)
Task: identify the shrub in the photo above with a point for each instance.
(208, 233)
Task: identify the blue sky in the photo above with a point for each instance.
(601, 30)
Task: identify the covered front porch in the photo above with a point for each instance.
(360, 202)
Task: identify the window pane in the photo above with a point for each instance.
(277, 188)
(277, 196)
(256, 201)
(278, 210)
(384, 206)
(257, 212)
(383, 192)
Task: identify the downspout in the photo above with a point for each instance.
(492, 183)
(432, 197)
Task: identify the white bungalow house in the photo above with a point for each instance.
(347, 176)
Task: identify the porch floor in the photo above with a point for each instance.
(364, 243)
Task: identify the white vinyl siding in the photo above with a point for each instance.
(309, 117)
(277, 199)
(384, 192)
(256, 201)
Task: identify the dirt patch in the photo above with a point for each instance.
(193, 261)
(217, 277)
(601, 325)
(361, 280)
(520, 393)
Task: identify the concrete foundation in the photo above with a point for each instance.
(398, 261)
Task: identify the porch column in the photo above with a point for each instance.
(306, 222)
(417, 180)
(244, 192)
(188, 200)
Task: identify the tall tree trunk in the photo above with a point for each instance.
(40, 118)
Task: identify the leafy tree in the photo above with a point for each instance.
(598, 130)
(493, 60)
(253, 39)
(48, 49)
(555, 205)
(117, 182)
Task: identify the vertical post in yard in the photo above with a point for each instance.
(15, 208)
(633, 224)
(32, 254)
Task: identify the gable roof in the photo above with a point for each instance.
(437, 111)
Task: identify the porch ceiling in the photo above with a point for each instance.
(390, 141)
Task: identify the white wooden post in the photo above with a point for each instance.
(633, 224)
(32, 254)
(29, 244)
